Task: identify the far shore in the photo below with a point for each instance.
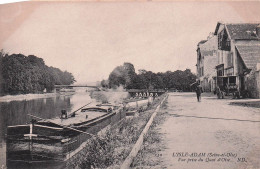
(9, 98)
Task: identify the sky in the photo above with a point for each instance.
(89, 39)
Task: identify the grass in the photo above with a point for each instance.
(149, 156)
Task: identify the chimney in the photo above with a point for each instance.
(258, 31)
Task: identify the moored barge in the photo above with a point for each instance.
(58, 138)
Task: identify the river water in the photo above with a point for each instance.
(15, 112)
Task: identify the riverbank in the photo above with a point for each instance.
(9, 98)
(149, 155)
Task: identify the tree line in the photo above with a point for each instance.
(126, 76)
(20, 74)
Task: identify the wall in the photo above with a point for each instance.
(209, 54)
(252, 83)
(258, 83)
(222, 57)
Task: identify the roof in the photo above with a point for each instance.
(242, 31)
(202, 41)
(250, 55)
(217, 27)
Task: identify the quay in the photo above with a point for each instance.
(192, 127)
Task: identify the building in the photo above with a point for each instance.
(238, 58)
(206, 63)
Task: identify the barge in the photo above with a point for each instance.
(58, 139)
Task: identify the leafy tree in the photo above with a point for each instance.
(122, 75)
(116, 77)
(104, 83)
(2, 53)
(129, 74)
(29, 74)
(125, 75)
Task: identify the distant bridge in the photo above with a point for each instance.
(60, 86)
(72, 86)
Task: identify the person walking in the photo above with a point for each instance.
(198, 90)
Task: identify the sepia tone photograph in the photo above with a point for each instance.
(129, 84)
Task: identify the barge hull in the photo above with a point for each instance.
(51, 147)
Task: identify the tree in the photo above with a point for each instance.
(116, 77)
(2, 53)
(125, 75)
(122, 75)
(29, 74)
(129, 74)
(104, 83)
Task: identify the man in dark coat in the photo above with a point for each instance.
(198, 90)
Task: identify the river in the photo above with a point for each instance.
(15, 112)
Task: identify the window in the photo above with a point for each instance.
(220, 70)
(201, 71)
(230, 59)
(220, 73)
(219, 40)
(223, 41)
(230, 71)
(232, 79)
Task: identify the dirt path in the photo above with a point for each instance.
(209, 135)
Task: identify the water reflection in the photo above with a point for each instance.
(15, 112)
